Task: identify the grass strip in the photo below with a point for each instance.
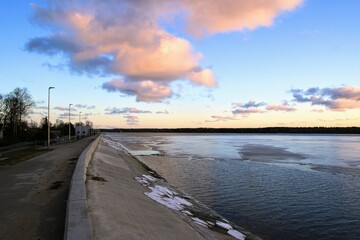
(17, 156)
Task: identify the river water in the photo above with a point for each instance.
(277, 186)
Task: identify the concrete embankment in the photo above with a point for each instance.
(111, 203)
(78, 223)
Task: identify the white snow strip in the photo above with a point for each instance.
(182, 201)
(210, 223)
(112, 144)
(199, 221)
(162, 191)
(150, 178)
(187, 213)
(236, 234)
(166, 197)
(164, 201)
(224, 225)
(144, 152)
(168, 202)
(143, 181)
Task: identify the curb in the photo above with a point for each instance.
(78, 223)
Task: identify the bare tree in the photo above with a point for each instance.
(17, 105)
(2, 116)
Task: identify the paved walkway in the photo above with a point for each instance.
(33, 194)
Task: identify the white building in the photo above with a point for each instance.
(82, 131)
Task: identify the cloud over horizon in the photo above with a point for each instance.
(124, 39)
(131, 120)
(217, 118)
(335, 99)
(253, 107)
(126, 110)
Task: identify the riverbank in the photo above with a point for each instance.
(120, 204)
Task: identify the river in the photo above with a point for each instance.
(278, 186)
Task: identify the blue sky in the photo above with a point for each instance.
(207, 80)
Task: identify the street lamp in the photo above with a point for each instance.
(49, 116)
(69, 123)
(80, 125)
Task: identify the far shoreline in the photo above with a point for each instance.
(267, 130)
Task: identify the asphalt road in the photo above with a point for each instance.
(33, 193)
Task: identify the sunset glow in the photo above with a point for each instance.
(182, 63)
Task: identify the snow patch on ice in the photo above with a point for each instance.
(236, 234)
(112, 144)
(199, 221)
(182, 201)
(171, 199)
(166, 197)
(210, 223)
(187, 212)
(150, 178)
(163, 191)
(144, 179)
(224, 225)
(144, 152)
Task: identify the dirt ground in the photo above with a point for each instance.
(33, 193)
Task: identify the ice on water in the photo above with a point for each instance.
(117, 145)
(168, 198)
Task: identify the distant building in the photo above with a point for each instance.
(82, 131)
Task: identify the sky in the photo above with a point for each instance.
(183, 63)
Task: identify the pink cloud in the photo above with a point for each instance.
(124, 38)
(213, 16)
(336, 99)
(343, 104)
(280, 108)
(222, 118)
(318, 110)
(203, 77)
(147, 91)
(247, 111)
(131, 120)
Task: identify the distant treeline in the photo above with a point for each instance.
(302, 130)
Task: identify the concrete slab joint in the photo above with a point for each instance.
(78, 223)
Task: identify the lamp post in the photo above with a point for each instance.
(49, 116)
(80, 125)
(69, 124)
